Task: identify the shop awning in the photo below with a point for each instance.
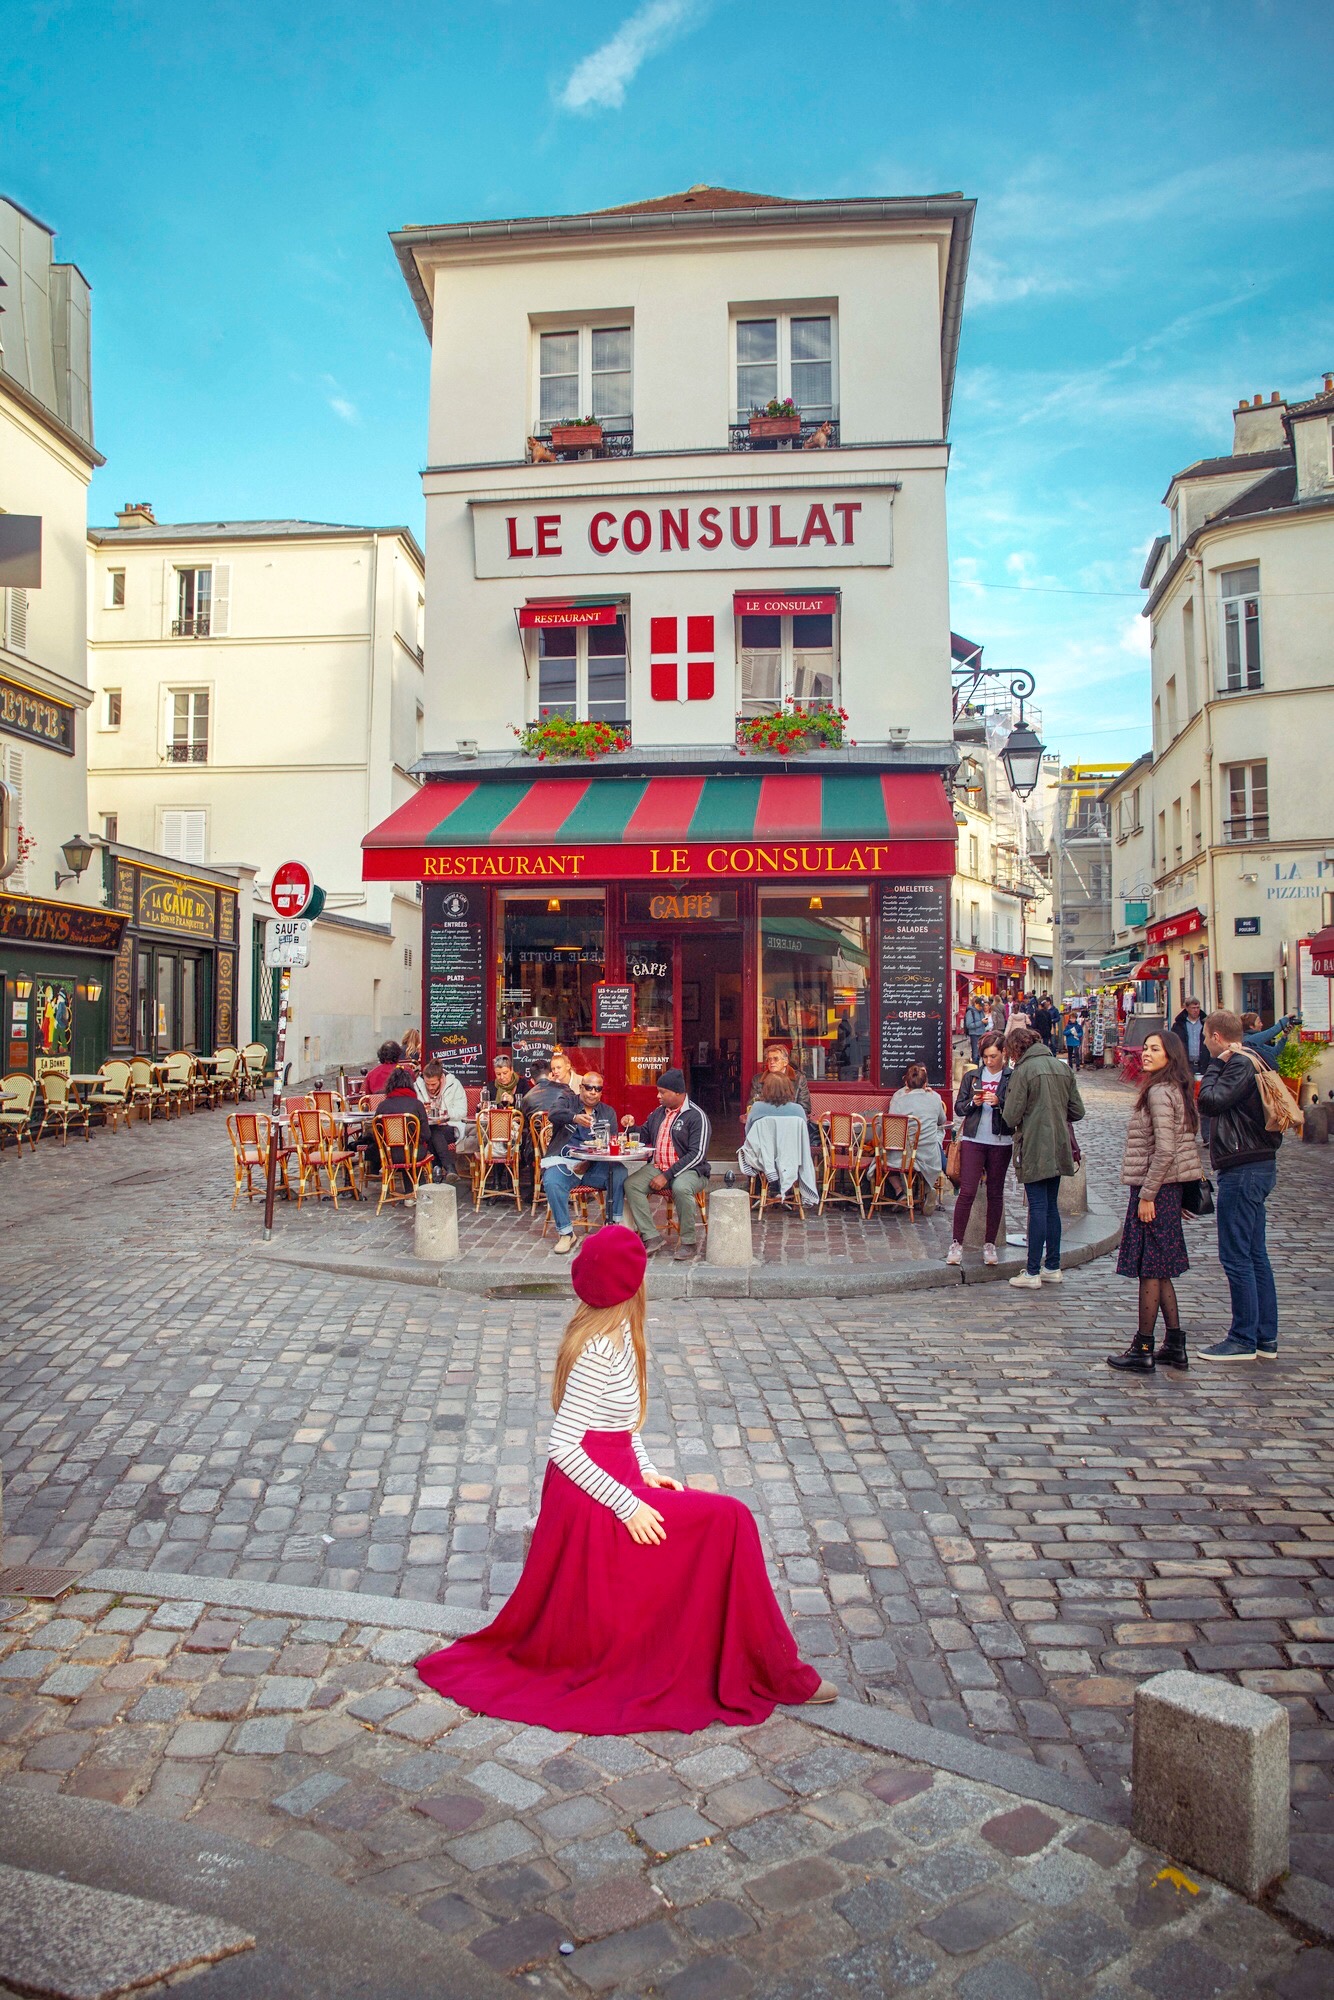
(1322, 953)
(541, 614)
(1116, 961)
(799, 824)
(1152, 968)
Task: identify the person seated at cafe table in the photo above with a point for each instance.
(678, 1134)
(446, 1105)
(412, 1050)
(778, 1159)
(915, 1099)
(387, 1057)
(778, 1062)
(560, 1169)
(504, 1087)
(401, 1101)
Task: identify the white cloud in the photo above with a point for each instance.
(992, 283)
(341, 405)
(1135, 636)
(599, 81)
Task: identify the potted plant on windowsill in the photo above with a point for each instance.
(586, 435)
(776, 420)
(1296, 1060)
(794, 730)
(555, 738)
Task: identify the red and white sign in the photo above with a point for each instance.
(1152, 968)
(781, 604)
(745, 529)
(665, 682)
(292, 888)
(543, 617)
(1185, 925)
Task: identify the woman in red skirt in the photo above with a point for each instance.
(629, 1615)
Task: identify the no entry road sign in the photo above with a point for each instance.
(293, 887)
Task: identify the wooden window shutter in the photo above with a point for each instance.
(221, 609)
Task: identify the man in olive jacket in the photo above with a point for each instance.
(1042, 1100)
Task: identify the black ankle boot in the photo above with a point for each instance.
(1172, 1353)
(1138, 1358)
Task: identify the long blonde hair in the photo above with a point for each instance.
(593, 1323)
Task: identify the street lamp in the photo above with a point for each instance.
(78, 852)
(1022, 756)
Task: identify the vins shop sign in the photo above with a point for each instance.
(838, 528)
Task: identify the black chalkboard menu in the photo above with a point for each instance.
(914, 979)
(613, 1009)
(530, 1040)
(454, 940)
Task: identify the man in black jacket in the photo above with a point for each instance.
(1244, 1155)
(1188, 1028)
(679, 1134)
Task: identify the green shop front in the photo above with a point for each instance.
(175, 971)
(56, 969)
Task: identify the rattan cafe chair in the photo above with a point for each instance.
(844, 1150)
(396, 1138)
(18, 1093)
(499, 1144)
(109, 1100)
(251, 1133)
(225, 1083)
(254, 1068)
(61, 1108)
(895, 1137)
(340, 1158)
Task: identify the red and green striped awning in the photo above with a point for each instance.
(605, 826)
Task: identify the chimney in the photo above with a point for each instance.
(135, 514)
(1257, 425)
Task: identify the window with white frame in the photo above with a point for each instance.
(1127, 813)
(183, 833)
(111, 707)
(792, 657)
(972, 854)
(111, 828)
(1241, 628)
(115, 590)
(586, 371)
(1246, 801)
(194, 603)
(187, 725)
(583, 673)
(975, 925)
(786, 354)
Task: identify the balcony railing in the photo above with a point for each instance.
(190, 628)
(187, 753)
(1247, 826)
(740, 439)
(618, 443)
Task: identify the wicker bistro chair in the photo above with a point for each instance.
(251, 1134)
(671, 1222)
(109, 1100)
(844, 1150)
(146, 1093)
(224, 1086)
(179, 1088)
(320, 1151)
(760, 1197)
(895, 1137)
(399, 1159)
(61, 1108)
(254, 1068)
(539, 1133)
(326, 1100)
(499, 1142)
(341, 1158)
(18, 1093)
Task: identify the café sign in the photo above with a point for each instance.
(815, 528)
(1185, 925)
(77, 926)
(689, 861)
(36, 717)
(167, 903)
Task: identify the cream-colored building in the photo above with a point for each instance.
(258, 698)
(1236, 809)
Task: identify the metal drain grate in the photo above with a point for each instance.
(28, 1580)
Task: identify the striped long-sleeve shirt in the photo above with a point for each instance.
(601, 1394)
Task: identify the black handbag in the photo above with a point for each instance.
(1197, 1197)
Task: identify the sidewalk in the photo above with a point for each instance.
(849, 1853)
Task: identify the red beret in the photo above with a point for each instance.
(609, 1266)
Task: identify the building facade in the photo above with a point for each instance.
(57, 945)
(1235, 807)
(258, 698)
(676, 568)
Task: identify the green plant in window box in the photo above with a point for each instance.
(1296, 1060)
(793, 729)
(557, 737)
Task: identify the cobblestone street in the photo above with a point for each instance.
(971, 1521)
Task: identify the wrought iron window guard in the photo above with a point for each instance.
(740, 439)
(190, 628)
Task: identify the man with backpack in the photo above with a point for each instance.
(1249, 1109)
(976, 1021)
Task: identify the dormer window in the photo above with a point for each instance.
(585, 371)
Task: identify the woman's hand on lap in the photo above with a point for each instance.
(661, 1479)
(645, 1525)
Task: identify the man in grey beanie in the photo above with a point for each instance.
(679, 1134)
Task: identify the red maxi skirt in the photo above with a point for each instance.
(607, 1636)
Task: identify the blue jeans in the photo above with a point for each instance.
(558, 1178)
(1044, 1224)
(1242, 1193)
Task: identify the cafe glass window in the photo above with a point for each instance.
(550, 959)
(649, 966)
(585, 371)
(786, 354)
(582, 673)
(788, 658)
(815, 990)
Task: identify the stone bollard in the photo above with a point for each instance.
(435, 1234)
(728, 1241)
(1073, 1198)
(1209, 1778)
(1315, 1129)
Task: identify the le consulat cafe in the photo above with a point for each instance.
(725, 592)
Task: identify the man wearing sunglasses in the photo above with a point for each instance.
(560, 1170)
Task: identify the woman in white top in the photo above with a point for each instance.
(986, 1146)
(632, 1613)
(915, 1100)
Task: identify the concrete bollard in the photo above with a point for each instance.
(1073, 1198)
(1209, 1778)
(728, 1240)
(435, 1234)
(1315, 1129)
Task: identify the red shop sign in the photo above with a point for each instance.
(1185, 925)
(546, 615)
(781, 603)
(986, 961)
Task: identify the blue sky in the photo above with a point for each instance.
(1153, 186)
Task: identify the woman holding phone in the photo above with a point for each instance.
(642, 1605)
(986, 1147)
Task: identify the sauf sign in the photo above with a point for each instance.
(837, 528)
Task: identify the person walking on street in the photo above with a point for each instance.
(678, 1133)
(1244, 1153)
(985, 1148)
(1188, 1028)
(1073, 1037)
(975, 1025)
(1042, 1100)
(641, 1606)
(998, 1016)
(1161, 1154)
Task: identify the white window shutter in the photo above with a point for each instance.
(18, 620)
(173, 827)
(168, 596)
(192, 832)
(17, 883)
(220, 611)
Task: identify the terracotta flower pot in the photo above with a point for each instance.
(576, 437)
(775, 427)
(1294, 1084)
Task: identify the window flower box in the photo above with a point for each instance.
(793, 731)
(586, 436)
(554, 738)
(775, 427)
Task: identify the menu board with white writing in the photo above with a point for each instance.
(454, 939)
(914, 980)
